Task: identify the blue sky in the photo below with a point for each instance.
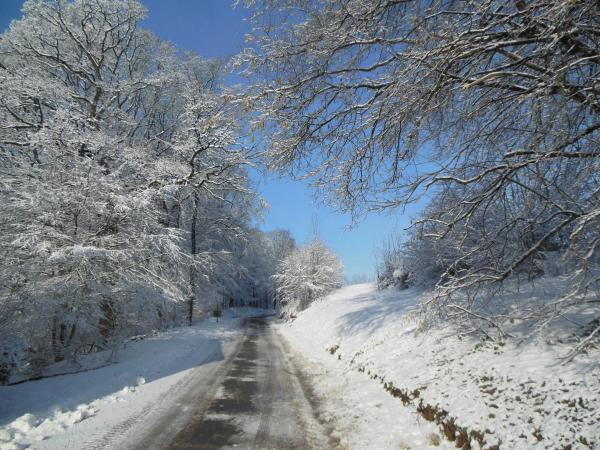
(214, 29)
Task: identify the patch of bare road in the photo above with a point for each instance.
(258, 401)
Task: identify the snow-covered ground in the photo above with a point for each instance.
(92, 409)
(379, 381)
(392, 386)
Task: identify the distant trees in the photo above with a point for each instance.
(306, 274)
(268, 252)
(491, 109)
(359, 279)
(390, 265)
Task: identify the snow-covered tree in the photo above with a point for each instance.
(391, 267)
(121, 177)
(492, 109)
(282, 245)
(306, 274)
(80, 236)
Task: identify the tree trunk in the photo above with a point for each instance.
(194, 250)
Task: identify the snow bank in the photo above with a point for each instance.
(28, 429)
(513, 394)
(78, 410)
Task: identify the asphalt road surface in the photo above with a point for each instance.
(259, 401)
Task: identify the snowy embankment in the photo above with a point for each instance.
(93, 408)
(398, 387)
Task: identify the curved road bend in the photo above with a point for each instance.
(259, 402)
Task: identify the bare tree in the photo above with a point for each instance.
(490, 107)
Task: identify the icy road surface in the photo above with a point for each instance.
(258, 401)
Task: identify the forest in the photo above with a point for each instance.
(128, 202)
(149, 299)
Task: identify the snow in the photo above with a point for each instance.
(83, 409)
(365, 351)
(516, 393)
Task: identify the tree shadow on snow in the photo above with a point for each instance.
(376, 308)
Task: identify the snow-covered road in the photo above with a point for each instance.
(106, 407)
(214, 385)
(260, 402)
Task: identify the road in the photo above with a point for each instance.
(258, 400)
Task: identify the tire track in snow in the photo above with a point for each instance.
(156, 406)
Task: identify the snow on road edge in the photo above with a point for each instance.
(516, 396)
(78, 410)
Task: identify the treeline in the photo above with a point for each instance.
(126, 200)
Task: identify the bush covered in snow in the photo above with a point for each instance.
(467, 264)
